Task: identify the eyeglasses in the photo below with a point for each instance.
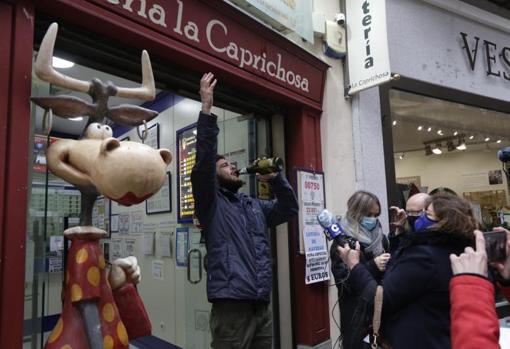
(411, 213)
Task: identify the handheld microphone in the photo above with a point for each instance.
(330, 224)
(333, 230)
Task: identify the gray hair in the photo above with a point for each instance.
(360, 203)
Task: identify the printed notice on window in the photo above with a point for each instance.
(316, 253)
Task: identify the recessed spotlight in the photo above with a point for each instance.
(429, 129)
(471, 137)
(498, 141)
(420, 128)
(394, 122)
(78, 118)
(437, 149)
(455, 133)
(440, 132)
(487, 139)
(461, 145)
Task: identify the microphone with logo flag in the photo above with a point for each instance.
(333, 230)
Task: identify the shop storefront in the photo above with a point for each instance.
(269, 101)
(440, 126)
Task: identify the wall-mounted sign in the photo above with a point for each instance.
(201, 25)
(186, 153)
(295, 15)
(367, 44)
(494, 57)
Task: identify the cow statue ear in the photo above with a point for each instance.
(108, 145)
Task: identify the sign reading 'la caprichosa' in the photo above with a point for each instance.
(217, 36)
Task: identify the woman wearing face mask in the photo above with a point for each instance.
(416, 306)
(362, 224)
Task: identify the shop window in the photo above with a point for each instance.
(444, 146)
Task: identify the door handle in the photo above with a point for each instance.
(190, 252)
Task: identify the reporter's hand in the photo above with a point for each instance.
(266, 177)
(206, 92)
(381, 261)
(349, 256)
(504, 268)
(471, 261)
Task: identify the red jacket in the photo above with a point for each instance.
(473, 314)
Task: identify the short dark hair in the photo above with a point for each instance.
(218, 157)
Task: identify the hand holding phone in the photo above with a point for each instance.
(495, 245)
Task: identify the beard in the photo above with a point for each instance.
(230, 183)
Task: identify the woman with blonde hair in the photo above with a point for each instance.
(361, 223)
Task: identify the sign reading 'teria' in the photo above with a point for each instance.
(175, 19)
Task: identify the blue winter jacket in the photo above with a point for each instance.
(238, 250)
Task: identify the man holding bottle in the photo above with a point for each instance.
(239, 271)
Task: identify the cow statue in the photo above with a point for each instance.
(101, 309)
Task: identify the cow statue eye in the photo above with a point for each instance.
(94, 131)
(107, 132)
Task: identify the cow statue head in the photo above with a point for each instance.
(126, 172)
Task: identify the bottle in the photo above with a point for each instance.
(263, 166)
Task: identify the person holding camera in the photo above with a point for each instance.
(474, 320)
(239, 270)
(416, 307)
(360, 223)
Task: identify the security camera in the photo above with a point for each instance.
(340, 18)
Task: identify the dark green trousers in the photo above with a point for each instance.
(241, 325)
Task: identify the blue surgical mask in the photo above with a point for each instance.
(423, 222)
(369, 223)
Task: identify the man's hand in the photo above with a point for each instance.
(471, 261)
(399, 218)
(381, 261)
(349, 256)
(266, 177)
(206, 92)
(504, 268)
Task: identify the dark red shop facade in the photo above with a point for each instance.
(195, 37)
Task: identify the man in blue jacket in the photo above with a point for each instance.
(239, 272)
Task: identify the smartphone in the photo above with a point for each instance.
(392, 214)
(495, 245)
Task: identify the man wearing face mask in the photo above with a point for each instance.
(361, 223)
(239, 271)
(415, 206)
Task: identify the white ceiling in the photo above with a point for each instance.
(411, 110)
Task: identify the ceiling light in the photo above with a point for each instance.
(487, 139)
(420, 128)
(461, 145)
(61, 63)
(394, 122)
(437, 149)
(78, 118)
(450, 146)
(498, 141)
(429, 129)
(455, 133)
(401, 156)
(440, 132)
(471, 137)
(428, 150)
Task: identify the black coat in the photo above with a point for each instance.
(416, 306)
(352, 317)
